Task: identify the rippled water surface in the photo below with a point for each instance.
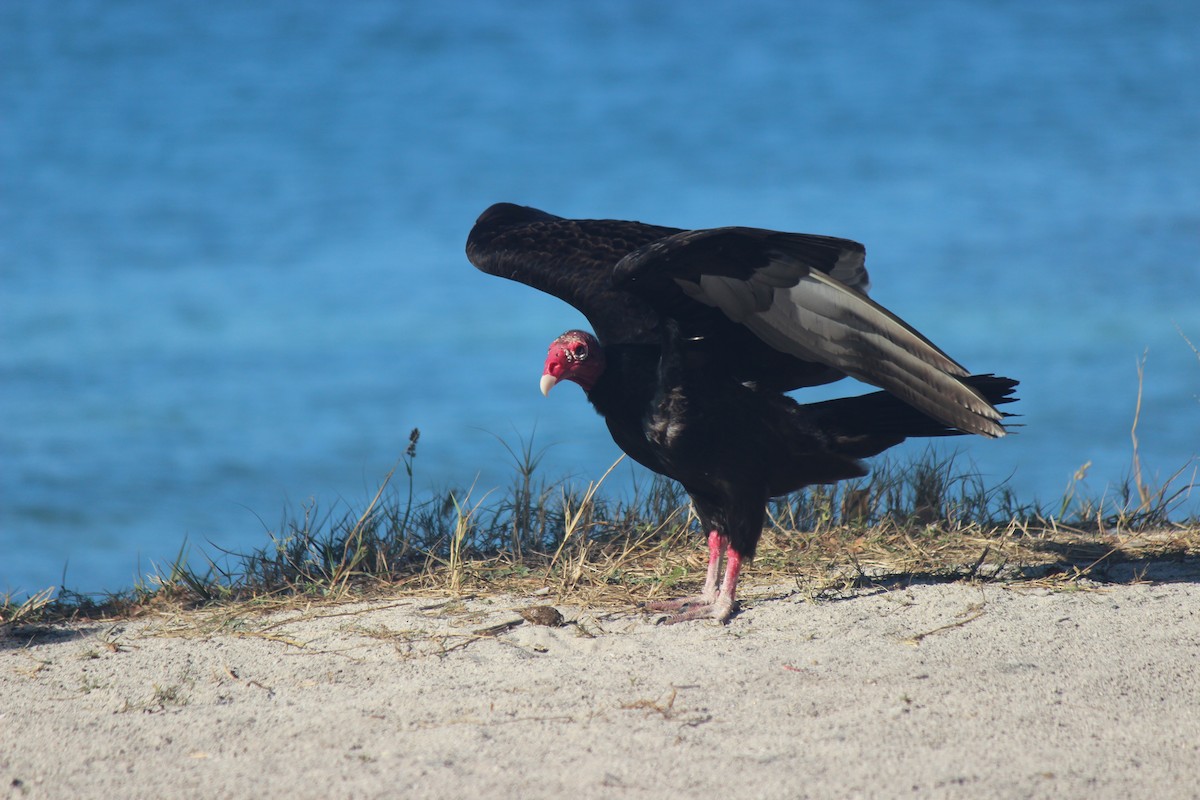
(231, 234)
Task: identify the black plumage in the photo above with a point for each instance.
(699, 334)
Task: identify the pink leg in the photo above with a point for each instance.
(708, 595)
(727, 600)
(713, 602)
(715, 543)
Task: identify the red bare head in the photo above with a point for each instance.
(574, 356)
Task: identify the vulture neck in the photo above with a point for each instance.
(628, 382)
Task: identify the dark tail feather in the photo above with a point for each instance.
(859, 427)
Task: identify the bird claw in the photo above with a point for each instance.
(722, 609)
(681, 603)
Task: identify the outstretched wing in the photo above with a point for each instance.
(797, 293)
(781, 309)
(572, 260)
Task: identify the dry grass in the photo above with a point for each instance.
(607, 555)
(14, 614)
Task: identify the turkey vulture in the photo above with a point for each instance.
(699, 334)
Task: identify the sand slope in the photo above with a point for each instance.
(950, 690)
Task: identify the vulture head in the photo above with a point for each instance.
(574, 356)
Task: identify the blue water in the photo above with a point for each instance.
(231, 234)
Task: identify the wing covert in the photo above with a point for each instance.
(570, 259)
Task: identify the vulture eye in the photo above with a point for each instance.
(578, 351)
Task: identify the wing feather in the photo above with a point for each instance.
(819, 319)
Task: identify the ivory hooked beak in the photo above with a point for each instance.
(547, 384)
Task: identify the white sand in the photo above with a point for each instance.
(957, 690)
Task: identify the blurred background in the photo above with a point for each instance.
(231, 234)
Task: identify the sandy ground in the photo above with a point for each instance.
(943, 690)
